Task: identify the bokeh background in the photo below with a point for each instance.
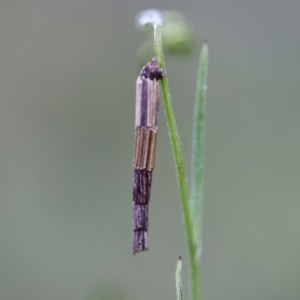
(67, 89)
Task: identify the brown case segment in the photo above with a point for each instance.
(144, 149)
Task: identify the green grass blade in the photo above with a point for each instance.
(196, 187)
(178, 279)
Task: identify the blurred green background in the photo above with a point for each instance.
(67, 90)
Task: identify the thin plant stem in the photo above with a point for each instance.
(175, 144)
(191, 207)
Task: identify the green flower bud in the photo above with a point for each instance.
(176, 34)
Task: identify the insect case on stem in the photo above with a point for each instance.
(146, 117)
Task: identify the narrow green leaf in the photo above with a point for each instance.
(178, 279)
(196, 187)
